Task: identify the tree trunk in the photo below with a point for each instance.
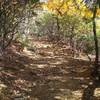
(95, 72)
(89, 91)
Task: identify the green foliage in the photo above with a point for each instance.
(73, 28)
(45, 24)
(34, 1)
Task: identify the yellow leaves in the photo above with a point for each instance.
(61, 7)
(56, 6)
(85, 12)
(70, 7)
(98, 12)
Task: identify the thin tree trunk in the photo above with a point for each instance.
(89, 91)
(96, 64)
(58, 29)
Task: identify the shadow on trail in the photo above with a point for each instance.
(43, 78)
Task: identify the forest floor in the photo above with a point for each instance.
(46, 73)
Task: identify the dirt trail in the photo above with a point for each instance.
(48, 73)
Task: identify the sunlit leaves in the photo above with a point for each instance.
(70, 7)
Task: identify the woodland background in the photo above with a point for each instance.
(49, 50)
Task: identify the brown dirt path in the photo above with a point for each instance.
(48, 73)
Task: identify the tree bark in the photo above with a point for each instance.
(89, 91)
(95, 72)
